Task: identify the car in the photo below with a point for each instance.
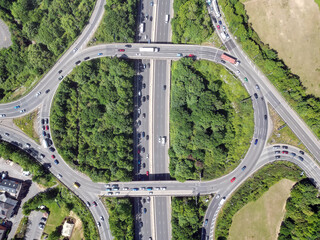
(179, 54)
(88, 204)
(7, 134)
(61, 77)
(256, 96)
(300, 158)
(128, 46)
(28, 145)
(139, 93)
(59, 175)
(75, 49)
(157, 188)
(60, 71)
(191, 55)
(110, 193)
(47, 91)
(108, 189)
(48, 135)
(43, 219)
(223, 61)
(143, 149)
(147, 156)
(135, 189)
(143, 98)
(51, 149)
(284, 152)
(22, 111)
(147, 173)
(246, 79)
(76, 184)
(301, 152)
(257, 87)
(285, 147)
(224, 28)
(143, 165)
(243, 168)
(144, 66)
(53, 156)
(218, 27)
(142, 188)
(238, 72)
(125, 189)
(38, 94)
(147, 137)
(99, 54)
(293, 154)
(163, 188)
(143, 134)
(101, 218)
(77, 62)
(42, 121)
(41, 225)
(16, 107)
(121, 50)
(277, 152)
(143, 85)
(151, 4)
(94, 203)
(145, 210)
(143, 115)
(139, 111)
(146, 17)
(139, 150)
(43, 127)
(164, 87)
(217, 196)
(117, 193)
(265, 117)
(98, 224)
(47, 127)
(148, 97)
(148, 199)
(255, 142)
(47, 121)
(139, 123)
(277, 157)
(86, 58)
(276, 147)
(56, 162)
(220, 22)
(138, 54)
(232, 180)
(42, 156)
(206, 222)
(139, 135)
(159, 139)
(3, 115)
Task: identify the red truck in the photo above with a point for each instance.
(229, 59)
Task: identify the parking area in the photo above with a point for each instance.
(36, 224)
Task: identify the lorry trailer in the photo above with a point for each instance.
(149, 49)
(229, 59)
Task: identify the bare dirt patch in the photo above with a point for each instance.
(262, 219)
(291, 27)
(77, 232)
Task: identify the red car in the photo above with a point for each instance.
(218, 27)
(190, 55)
(147, 173)
(95, 204)
(121, 50)
(285, 152)
(53, 156)
(47, 127)
(138, 150)
(232, 180)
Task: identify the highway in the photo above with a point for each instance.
(155, 78)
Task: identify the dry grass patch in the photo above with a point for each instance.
(77, 232)
(291, 27)
(262, 219)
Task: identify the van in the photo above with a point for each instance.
(167, 18)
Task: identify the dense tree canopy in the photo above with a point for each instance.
(302, 220)
(308, 106)
(121, 218)
(187, 218)
(40, 31)
(91, 119)
(191, 22)
(210, 125)
(119, 22)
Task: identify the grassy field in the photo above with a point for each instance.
(262, 219)
(56, 217)
(26, 124)
(285, 135)
(292, 28)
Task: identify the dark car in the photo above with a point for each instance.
(265, 117)
(128, 46)
(256, 96)
(48, 90)
(300, 158)
(220, 22)
(88, 204)
(60, 71)
(43, 127)
(293, 154)
(164, 87)
(143, 115)
(206, 222)
(86, 58)
(143, 99)
(223, 61)
(51, 149)
(143, 165)
(44, 133)
(143, 149)
(147, 137)
(301, 152)
(143, 134)
(143, 85)
(255, 142)
(277, 157)
(78, 62)
(243, 168)
(47, 121)
(56, 162)
(42, 121)
(94, 203)
(145, 210)
(285, 147)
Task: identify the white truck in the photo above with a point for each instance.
(45, 143)
(149, 49)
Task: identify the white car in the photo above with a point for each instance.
(59, 175)
(3, 115)
(157, 188)
(38, 94)
(125, 189)
(110, 193)
(163, 188)
(75, 49)
(117, 193)
(238, 72)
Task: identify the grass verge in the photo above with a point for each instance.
(262, 219)
(26, 124)
(22, 228)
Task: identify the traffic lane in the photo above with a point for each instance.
(161, 217)
(145, 218)
(162, 33)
